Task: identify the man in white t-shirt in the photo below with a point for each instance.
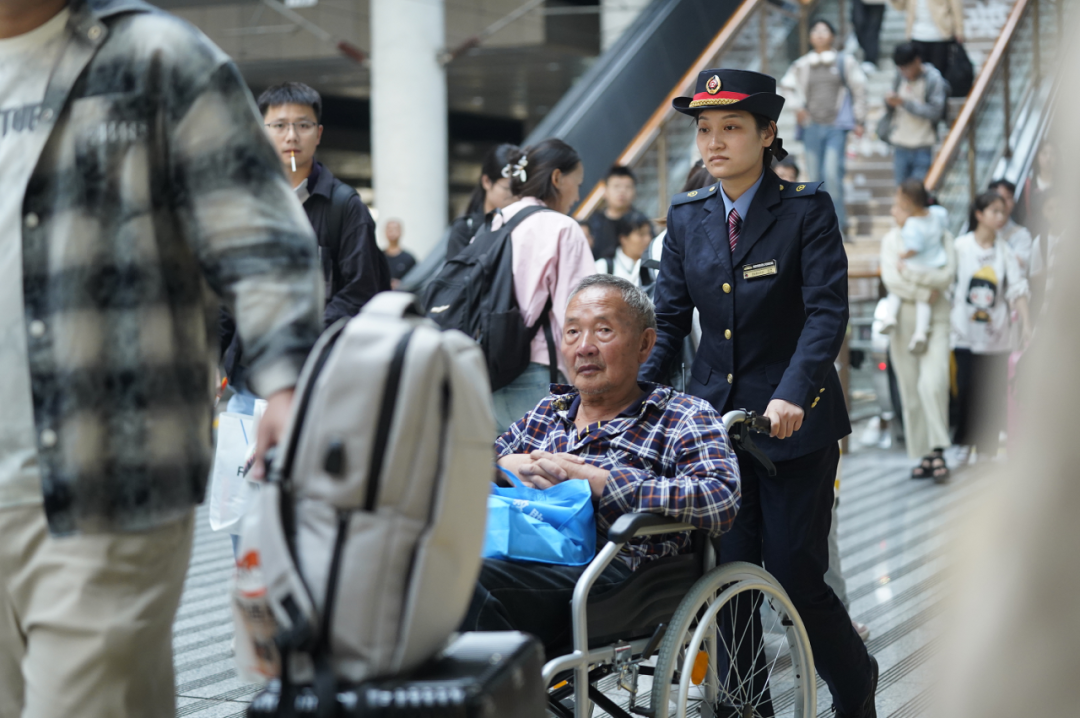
(138, 186)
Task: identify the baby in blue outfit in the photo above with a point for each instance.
(922, 230)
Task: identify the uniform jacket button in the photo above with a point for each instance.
(727, 288)
(37, 328)
(32, 220)
(730, 378)
(48, 438)
(727, 334)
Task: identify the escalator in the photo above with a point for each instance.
(608, 105)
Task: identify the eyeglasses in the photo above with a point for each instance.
(302, 128)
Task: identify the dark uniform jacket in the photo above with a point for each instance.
(773, 312)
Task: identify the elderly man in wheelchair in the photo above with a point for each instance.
(652, 613)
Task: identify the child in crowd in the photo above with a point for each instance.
(990, 287)
(787, 170)
(922, 229)
(635, 232)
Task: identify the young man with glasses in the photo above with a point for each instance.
(354, 268)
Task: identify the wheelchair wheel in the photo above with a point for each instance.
(735, 648)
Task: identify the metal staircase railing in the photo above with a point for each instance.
(1007, 111)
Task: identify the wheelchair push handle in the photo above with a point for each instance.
(756, 422)
(739, 424)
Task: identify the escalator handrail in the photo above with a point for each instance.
(977, 96)
(652, 127)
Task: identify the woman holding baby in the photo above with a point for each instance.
(918, 265)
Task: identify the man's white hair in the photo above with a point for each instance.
(637, 301)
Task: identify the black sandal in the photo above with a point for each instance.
(939, 469)
(924, 469)
(927, 470)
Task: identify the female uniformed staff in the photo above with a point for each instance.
(764, 263)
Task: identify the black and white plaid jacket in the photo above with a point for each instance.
(156, 194)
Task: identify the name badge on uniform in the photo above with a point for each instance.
(761, 269)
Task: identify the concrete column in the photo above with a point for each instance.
(408, 119)
(615, 17)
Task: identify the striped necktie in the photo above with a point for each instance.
(733, 223)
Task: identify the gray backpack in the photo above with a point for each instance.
(370, 530)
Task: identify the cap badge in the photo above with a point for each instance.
(713, 85)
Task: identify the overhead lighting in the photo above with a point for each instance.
(301, 3)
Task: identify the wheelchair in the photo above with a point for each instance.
(679, 630)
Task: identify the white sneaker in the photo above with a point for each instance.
(871, 435)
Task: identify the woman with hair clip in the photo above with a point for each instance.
(492, 192)
(764, 263)
(550, 257)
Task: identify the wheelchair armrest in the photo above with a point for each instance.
(628, 526)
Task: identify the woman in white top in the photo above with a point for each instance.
(991, 297)
(635, 233)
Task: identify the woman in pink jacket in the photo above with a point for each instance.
(550, 257)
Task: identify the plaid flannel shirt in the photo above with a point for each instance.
(155, 196)
(671, 457)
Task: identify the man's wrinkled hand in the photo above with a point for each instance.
(547, 469)
(786, 418)
(271, 429)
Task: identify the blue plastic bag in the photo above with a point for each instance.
(555, 525)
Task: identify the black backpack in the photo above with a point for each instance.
(474, 292)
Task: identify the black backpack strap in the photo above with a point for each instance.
(340, 196)
(545, 322)
(610, 262)
(553, 360)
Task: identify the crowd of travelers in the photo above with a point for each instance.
(194, 223)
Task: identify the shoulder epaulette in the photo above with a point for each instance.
(799, 189)
(695, 194)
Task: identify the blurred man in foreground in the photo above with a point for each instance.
(139, 188)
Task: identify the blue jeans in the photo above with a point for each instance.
(825, 147)
(911, 162)
(521, 396)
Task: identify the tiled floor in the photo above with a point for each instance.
(893, 541)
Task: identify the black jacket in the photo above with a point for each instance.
(354, 268)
